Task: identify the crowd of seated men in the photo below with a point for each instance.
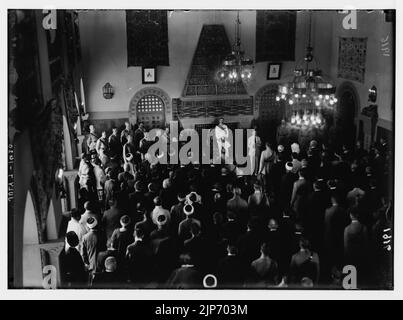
(313, 212)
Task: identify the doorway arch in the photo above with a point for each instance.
(346, 114)
(270, 112)
(151, 106)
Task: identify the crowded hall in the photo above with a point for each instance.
(201, 149)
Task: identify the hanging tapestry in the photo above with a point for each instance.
(352, 54)
(211, 49)
(147, 38)
(275, 35)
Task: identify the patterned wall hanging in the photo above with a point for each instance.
(275, 35)
(212, 47)
(147, 38)
(352, 56)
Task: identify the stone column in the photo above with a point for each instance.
(71, 177)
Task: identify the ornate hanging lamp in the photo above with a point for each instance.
(235, 66)
(309, 92)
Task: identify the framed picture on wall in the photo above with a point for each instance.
(149, 75)
(274, 71)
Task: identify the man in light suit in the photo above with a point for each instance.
(254, 148)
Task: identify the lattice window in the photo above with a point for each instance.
(150, 104)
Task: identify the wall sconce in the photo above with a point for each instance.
(108, 91)
(373, 93)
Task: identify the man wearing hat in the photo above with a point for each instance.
(90, 211)
(162, 230)
(184, 227)
(158, 211)
(122, 237)
(93, 243)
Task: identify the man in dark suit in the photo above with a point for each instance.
(111, 187)
(239, 207)
(231, 269)
(135, 198)
(249, 243)
(167, 194)
(115, 147)
(313, 219)
(72, 266)
(195, 246)
(139, 135)
(140, 260)
(150, 196)
(122, 237)
(110, 277)
(177, 214)
(336, 220)
(302, 188)
(356, 244)
(111, 218)
(286, 185)
(125, 175)
(185, 277)
(232, 229)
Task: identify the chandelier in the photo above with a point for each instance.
(235, 66)
(308, 93)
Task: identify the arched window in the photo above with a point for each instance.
(149, 106)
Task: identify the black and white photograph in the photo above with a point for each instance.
(208, 149)
(274, 71)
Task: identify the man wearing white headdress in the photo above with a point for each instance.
(221, 133)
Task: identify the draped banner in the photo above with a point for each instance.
(147, 38)
(352, 55)
(275, 35)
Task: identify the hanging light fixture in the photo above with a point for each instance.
(308, 93)
(235, 66)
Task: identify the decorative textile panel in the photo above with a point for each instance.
(211, 49)
(215, 108)
(275, 35)
(352, 56)
(147, 38)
